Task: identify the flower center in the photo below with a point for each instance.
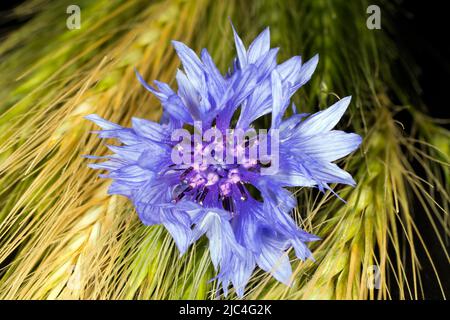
(218, 181)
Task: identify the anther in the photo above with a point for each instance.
(182, 194)
(241, 188)
(228, 205)
(185, 173)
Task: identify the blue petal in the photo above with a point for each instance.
(266, 64)
(301, 250)
(287, 127)
(164, 88)
(331, 173)
(308, 169)
(107, 165)
(121, 189)
(306, 72)
(217, 81)
(105, 124)
(246, 224)
(240, 49)
(277, 98)
(273, 259)
(222, 242)
(293, 178)
(159, 95)
(148, 160)
(178, 223)
(189, 95)
(243, 85)
(149, 129)
(191, 63)
(290, 69)
(125, 135)
(126, 153)
(148, 199)
(328, 146)
(170, 101)
(259, 47)
(242, 273)
(258, 104)
(238, 271)
(131, 175)
(175, 107)
(324, 120)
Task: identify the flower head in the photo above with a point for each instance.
(210, 181)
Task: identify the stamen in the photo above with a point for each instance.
(228, 205)
(212, 178)
(234, 176)
(225, 189)
(182, 194)
(197, 180)
(202, 196)
(185, 173)
(241, 188)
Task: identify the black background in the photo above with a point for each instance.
(423, 33)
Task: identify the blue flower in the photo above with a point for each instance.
(245, 214)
